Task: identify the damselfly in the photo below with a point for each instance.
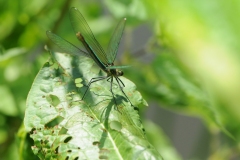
(105, 60)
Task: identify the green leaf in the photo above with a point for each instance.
(7, 105)
(65, 127)
(129, 9)
(24, 145)
(160, 141)
(6, 56)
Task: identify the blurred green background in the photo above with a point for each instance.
(185, 61)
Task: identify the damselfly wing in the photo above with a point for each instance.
(105, 60)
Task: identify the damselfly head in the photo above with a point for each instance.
(119, 73)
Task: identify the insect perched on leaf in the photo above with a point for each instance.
(105, 60)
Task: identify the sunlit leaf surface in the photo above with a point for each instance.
(63, 126)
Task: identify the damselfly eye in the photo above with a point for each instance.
(120, 73)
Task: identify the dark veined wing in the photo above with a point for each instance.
(65, 45)
(115, 40)
(80, 26)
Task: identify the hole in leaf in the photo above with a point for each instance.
(104, 130)
(136, 108)
(79, 85)
(103, 151)
(63, 131)
(69, 151)
(54, 122)
(103, 157)
(54, 66)
(56, 150)
(67, 158)
(115, 125)
(53, 100)
(69, 98)
(78, 82)
(75, 158)
(33, 130)
(96, 143)
(67, 139)
(73, 103)
(71, 93)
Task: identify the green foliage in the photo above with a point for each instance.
(62, 125)
(202, 39)
(160, 141)
(194, 70)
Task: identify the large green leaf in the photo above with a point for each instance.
(63, 126)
